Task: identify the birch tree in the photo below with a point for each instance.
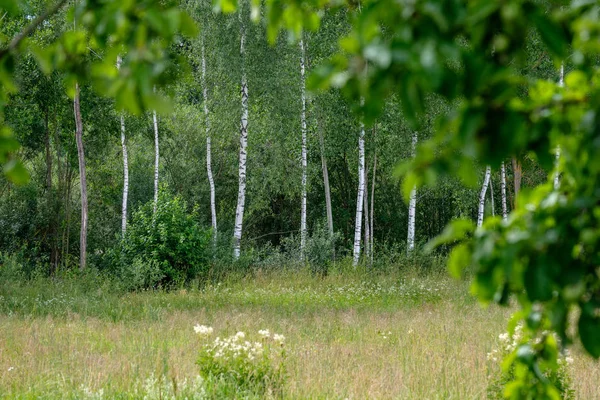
(484, 187)
(561, 83)
(239, 212)
(125, 169)
(367, 240)
(503, 190)
(412, 205)
(211, 181)
(360, 195)
(156, 157)
(303, 230)
(82, 180)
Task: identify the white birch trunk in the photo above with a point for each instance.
(361, 191)
(503, 189)
(211, 182)
(156, 158)
(412, 205)
(367, 240)
(83, 181)
(303, 229)
(239, 212)
(561, 83)
(486, 182)
(125, 170)
(492, 196)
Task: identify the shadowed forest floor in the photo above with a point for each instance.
(412, 336)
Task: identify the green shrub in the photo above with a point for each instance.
(164, 249)
(256, 367)
(502, 370)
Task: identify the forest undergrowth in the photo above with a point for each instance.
(410, 334)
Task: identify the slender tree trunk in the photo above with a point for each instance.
(517, 172)
(48, 154)
(360, 196)
(372, 245)
(239, 213)
(412, 205)
(503, 188)
(303, 229)
(211, 181)
(82, 177)
(492, 197)
(486, 182)
(125, 170)
(326, 182)
(156, 158)
(561, 83)
(367, 240)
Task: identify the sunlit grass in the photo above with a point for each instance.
(409, 336)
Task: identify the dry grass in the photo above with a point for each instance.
(422, 350)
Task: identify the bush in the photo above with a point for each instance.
(500, 375)
(164, 249)
(255, 367)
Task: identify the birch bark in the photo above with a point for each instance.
(412, 206)
(211, 181)
(486, 182)
(156, 158)
(561, 83)
(326, 182)
(367, 240)
(125, 170)
(239, 213)
(503, 189)
(360, 195)
(83, 180)
(303, 229)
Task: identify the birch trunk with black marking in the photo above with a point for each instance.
(412, 205)
(492, 196)
(239, 212)
(367, 240)
(156, 158)
(484, 187)
(503, 189)
(561, 83)
(82, 180)
(211, 181)
(125, 170)
(360, 195)
(303, 229)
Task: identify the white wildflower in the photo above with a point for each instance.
(240, 335)
(264, 333)
(203, 330)
(10, 368)
(278, 338)
(569, 360)
(503, 337)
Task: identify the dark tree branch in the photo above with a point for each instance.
(31, 28)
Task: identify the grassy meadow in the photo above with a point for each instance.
(408, 335)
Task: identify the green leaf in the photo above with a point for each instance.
(551, 33)
(15, 172)
(460, 258)
(589, 330)
(456, 230)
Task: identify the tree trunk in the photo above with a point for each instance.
(326, 182)
(156, 158)
(125, 170)
(492, 197)
(486, 182)
(367, 240)
(561, 83)
(360, 195)
(239, 213)
(303, 229)
(372, 244)
(517, 172)
(412, 206)
(83, 181)
(503, 188)
(211, 181)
